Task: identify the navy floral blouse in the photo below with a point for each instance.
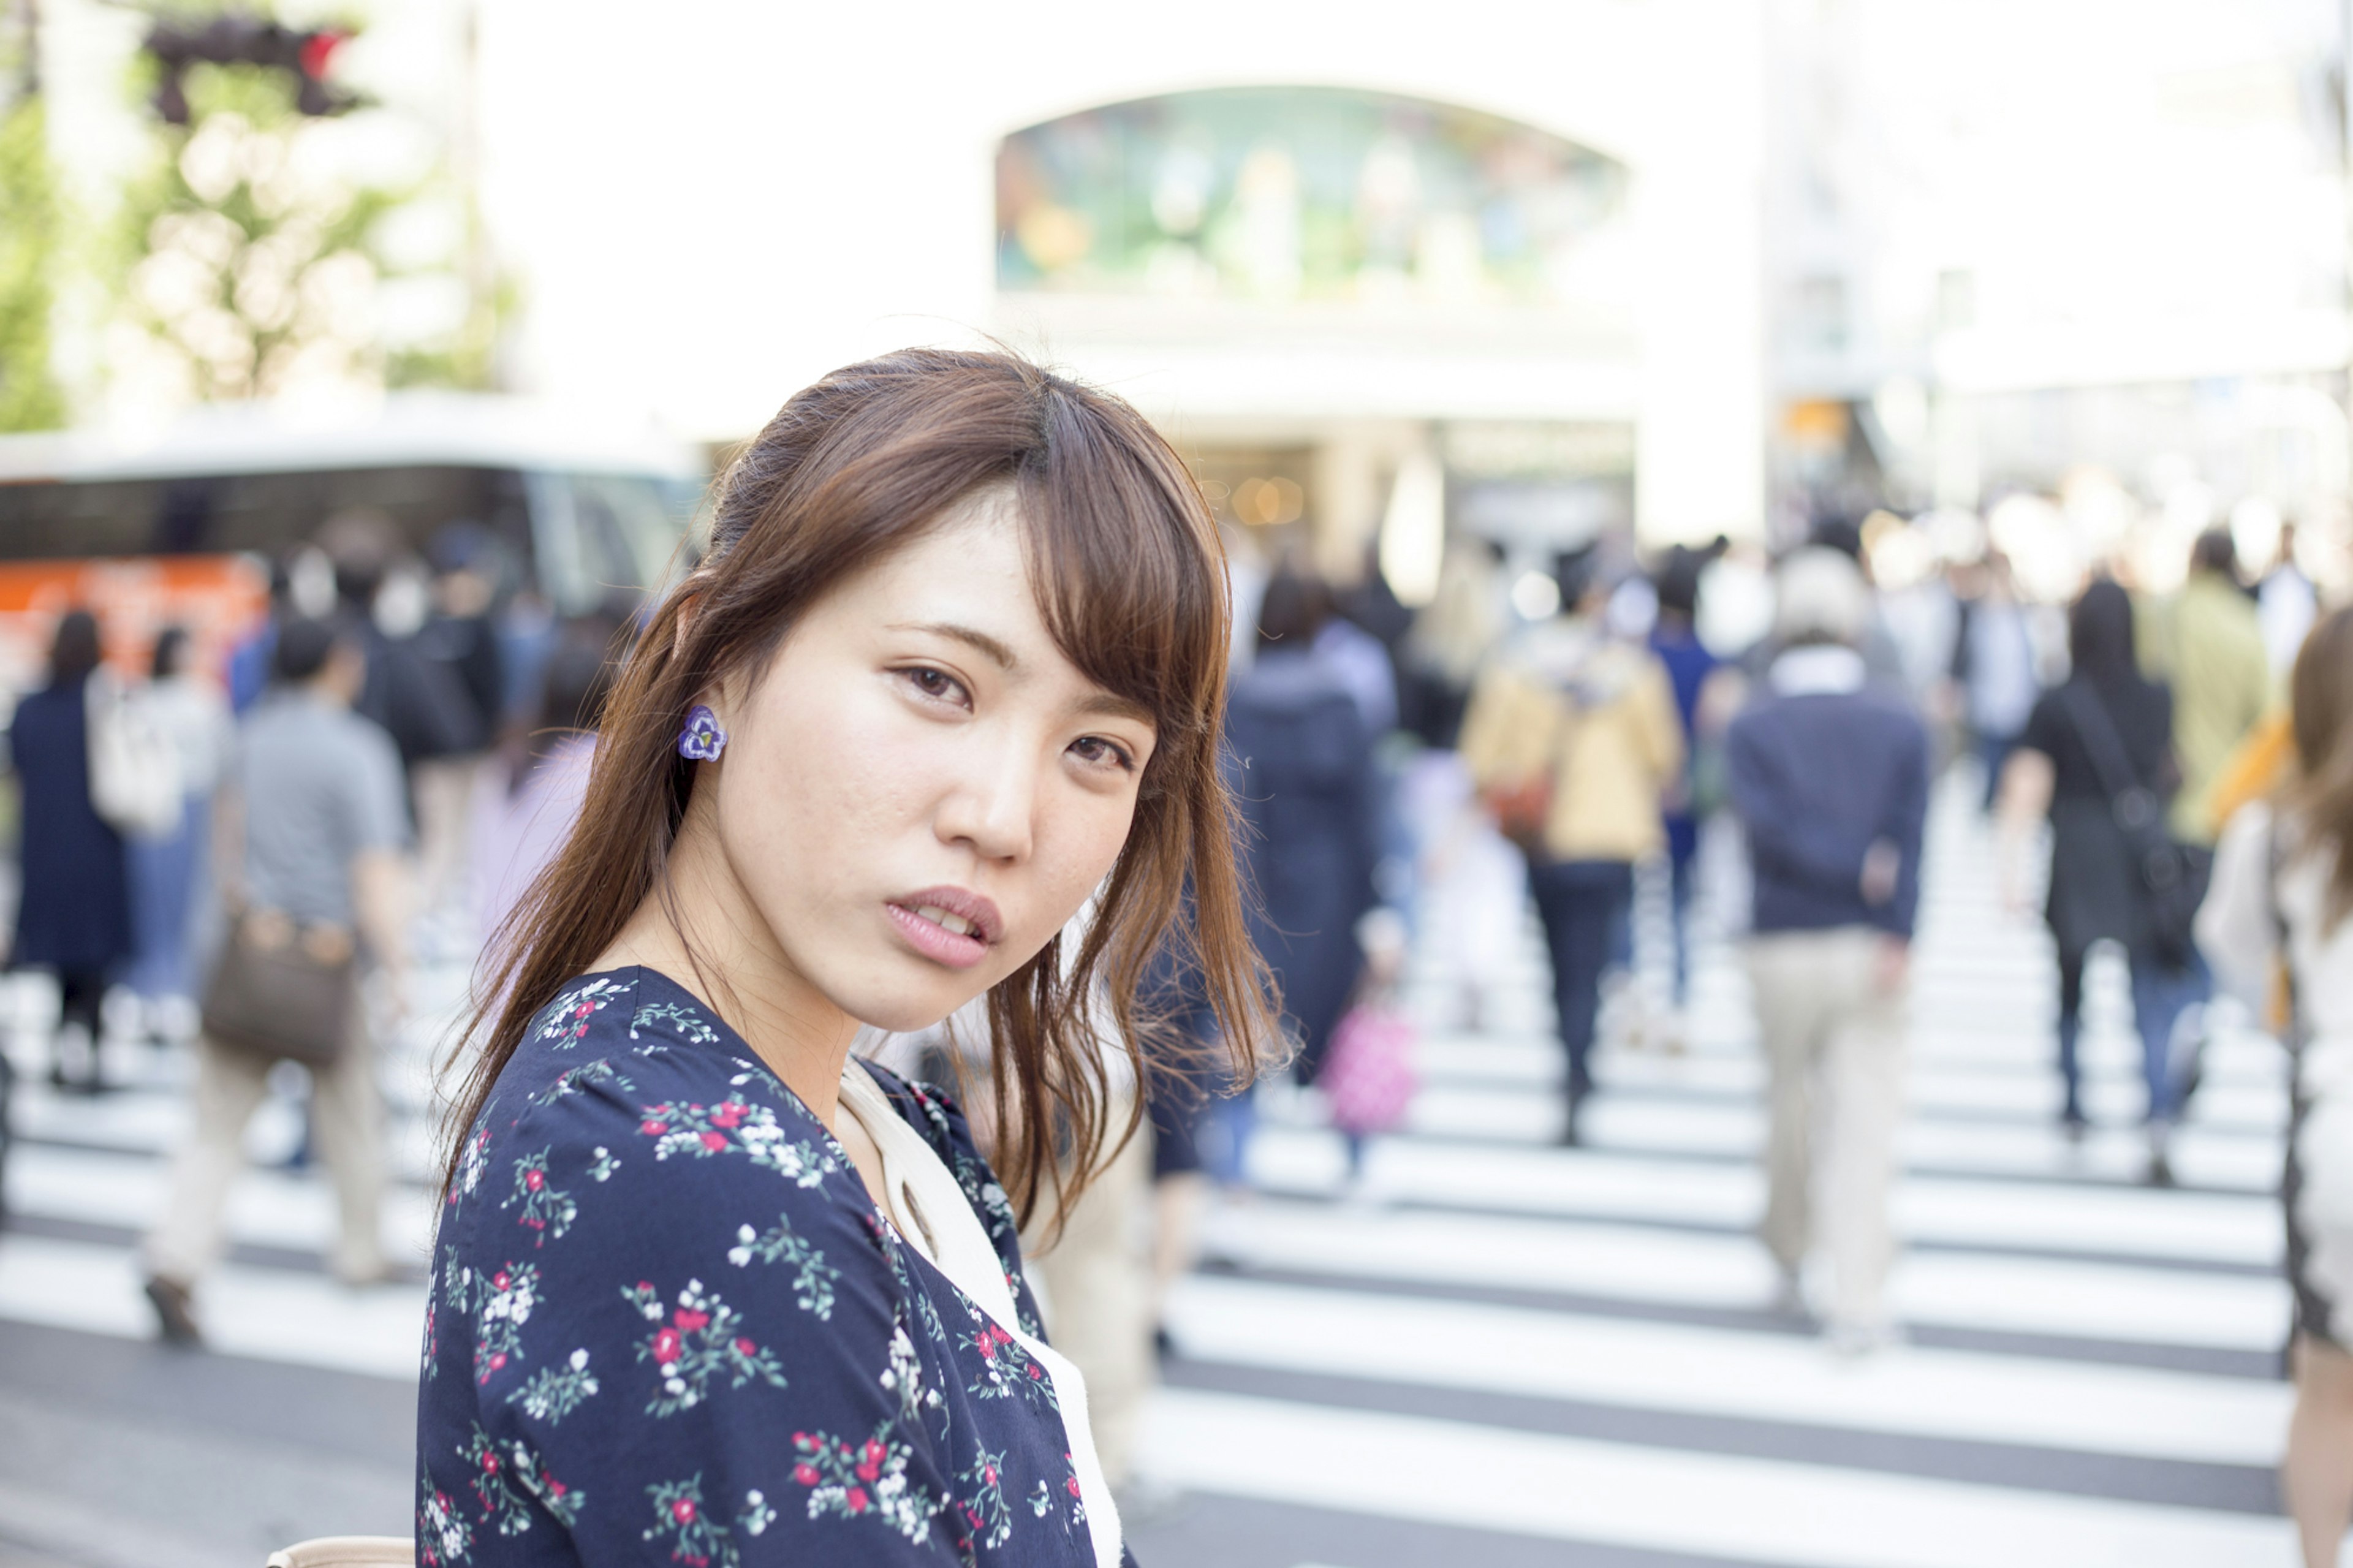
(669, 1325)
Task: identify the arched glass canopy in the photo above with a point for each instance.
(1290, 194)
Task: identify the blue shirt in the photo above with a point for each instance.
(668, 1326)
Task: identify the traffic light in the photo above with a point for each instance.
(249, 40)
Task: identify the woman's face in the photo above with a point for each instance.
(922, 789)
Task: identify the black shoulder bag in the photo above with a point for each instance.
(2171, 875)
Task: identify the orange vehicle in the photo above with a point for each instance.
(183, 525)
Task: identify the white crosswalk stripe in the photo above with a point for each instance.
(1579, 1345)
(1568, 1352)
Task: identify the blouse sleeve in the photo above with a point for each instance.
(687, 1350)
(2236, 927)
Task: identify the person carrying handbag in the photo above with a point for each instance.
(313, 833)
(2097, 760)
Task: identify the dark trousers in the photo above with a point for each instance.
(2160, 995)
(1683, 875)
(1580, 903)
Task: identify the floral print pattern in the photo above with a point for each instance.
(848, 1481)
(547, 1209)
(702, 1341)
(683, 1303)
(812, 1276)
(566, 1019)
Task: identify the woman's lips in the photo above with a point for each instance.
(950, 925)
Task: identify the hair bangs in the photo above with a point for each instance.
(1125, 564)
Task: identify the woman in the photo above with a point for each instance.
(190, 712)
(708, 1287)
(1302, 755)
(74, 914)
(2105, 708)
(2282, 893)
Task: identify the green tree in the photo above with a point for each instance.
(30, 230)
(251, 263)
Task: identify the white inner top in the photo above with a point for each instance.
(927, 1207)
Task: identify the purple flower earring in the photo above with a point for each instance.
(703, 740)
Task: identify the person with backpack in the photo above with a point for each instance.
(2097, 759)
(1573, 740)
(2278, 926)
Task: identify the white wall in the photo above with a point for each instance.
(709, 202)
(713, 208)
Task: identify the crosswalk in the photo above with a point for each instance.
(1495, 1349)
(1517, 1351)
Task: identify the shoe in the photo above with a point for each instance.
(2075, 1125)
(174, 1313)
(2161, 1162)
(1572, 1115)
(1854, 1340)
(1788, 1295)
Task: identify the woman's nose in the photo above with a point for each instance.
(994, 807)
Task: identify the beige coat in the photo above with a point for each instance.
(1601, 715)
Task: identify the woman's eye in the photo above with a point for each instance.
(937, 683)
(1099, 752)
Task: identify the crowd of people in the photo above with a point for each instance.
(385, 760)
(393, 757)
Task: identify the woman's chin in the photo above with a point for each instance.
(905, 1008)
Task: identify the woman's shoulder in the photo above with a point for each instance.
(625, 1083)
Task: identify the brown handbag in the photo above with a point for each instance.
(283, 989)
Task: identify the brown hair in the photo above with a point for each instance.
(1128, 573)
(2320, 694)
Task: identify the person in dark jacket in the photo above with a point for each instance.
(1303, 762)
(420, 703)
(1830, 775)
(2095, 890)
(74, 915)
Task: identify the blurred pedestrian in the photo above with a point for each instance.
(2286, 603)
(313, 839)
(1993, 665)
(1368, 1079)
(2098, 760)
(190, 712)
(2278, 912)
(73, 910)
(1306, 785)
(461, 641)
(1468, 881)
(1691, 666)
(1572, 738)
(1450, 640)
(413, 700)
(528, 801)
(1829, 774)
(2206, 643)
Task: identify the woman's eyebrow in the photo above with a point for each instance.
(994, 651)
(1112, 705)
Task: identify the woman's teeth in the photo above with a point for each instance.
(956, 923)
